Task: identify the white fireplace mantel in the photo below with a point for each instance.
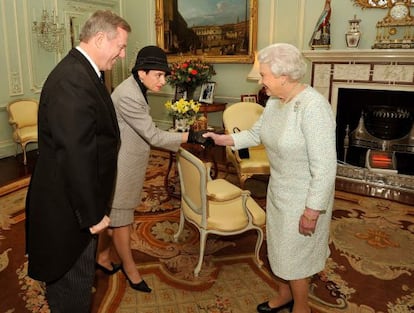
(374, 68)
(366, 55)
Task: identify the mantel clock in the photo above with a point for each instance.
(396, 29)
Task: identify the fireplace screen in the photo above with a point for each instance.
(377, 121)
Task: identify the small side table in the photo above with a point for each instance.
(206, 108)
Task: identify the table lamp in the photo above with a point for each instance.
(254, 74)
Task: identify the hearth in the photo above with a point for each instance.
(375, 123)
(375, 129)
(371, 93)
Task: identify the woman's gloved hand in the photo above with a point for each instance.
(197, 138)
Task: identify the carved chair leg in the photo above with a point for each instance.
(228, 165)
(180, 227)
(203, 239)
(258, 246)
(24, 154)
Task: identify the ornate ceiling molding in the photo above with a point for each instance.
(382, 4)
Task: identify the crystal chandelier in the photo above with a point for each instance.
(49, 33)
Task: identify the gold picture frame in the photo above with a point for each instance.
(230, 42)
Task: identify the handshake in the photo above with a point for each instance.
(197, 137)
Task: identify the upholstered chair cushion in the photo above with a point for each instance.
(221, 190)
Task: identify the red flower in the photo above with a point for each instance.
(190, 73)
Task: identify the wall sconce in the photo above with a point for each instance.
(49, 33)
(254, 74)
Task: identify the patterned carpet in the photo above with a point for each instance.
(372, 261)
(238, 287)
(370, 269)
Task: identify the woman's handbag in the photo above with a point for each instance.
(243, 153)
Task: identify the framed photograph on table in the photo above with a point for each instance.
(248, 98)
(207, 92)
(184, 32)
(180, 93)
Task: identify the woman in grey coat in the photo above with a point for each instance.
(138, 134)
(297, 128)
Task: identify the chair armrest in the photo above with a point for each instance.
(13, 123)
(208, 166)
(255, 213)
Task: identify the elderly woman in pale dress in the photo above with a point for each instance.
(297, 128)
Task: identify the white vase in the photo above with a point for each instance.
(182, 124)
(353, 35)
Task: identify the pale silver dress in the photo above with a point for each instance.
(299, 137)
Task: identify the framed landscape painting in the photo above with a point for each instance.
(215, 31)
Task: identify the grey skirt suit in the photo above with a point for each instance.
(138, 134)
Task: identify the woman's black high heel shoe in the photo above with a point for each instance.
(141, 286)
(115, 268)
(265, 308)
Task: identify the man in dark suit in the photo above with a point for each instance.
(72, 184)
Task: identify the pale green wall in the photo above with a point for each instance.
(289, 21)
(23, 66)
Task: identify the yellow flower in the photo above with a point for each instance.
(168, 105)
(183, 108)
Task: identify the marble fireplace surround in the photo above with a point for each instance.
(380, 69)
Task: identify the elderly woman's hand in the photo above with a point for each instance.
(220, 140)
(307, 222)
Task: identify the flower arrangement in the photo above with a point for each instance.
(190, 74)
(183, 109)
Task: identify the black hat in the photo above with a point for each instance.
(151, 58)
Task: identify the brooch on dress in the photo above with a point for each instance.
(296, 106)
